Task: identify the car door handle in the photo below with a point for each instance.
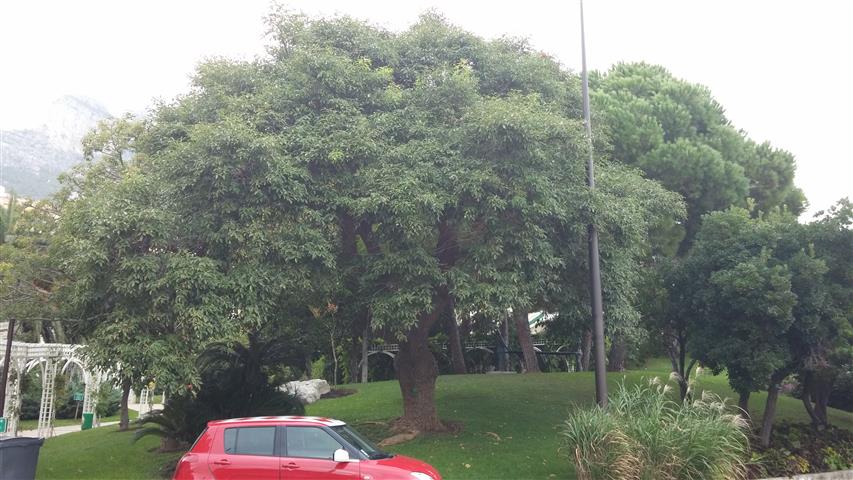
(290, 466)
(221, 462)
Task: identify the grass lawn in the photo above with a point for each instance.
(510, 427)
(101, 453)
(524, 411)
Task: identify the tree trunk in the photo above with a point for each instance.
(334, 359)
(505, 357)
(465, 328)
(522, 330)
(691, 226)
(169, 444)
(821, 402)
(416, 367)
(309, 366)
(124, 414)
(769, 413)
(586, 348)
(684, 376)
(672, 351)
(743, 404)
(821, 389)
(807, 399)
(457, 354)
(365, 347)
(7, 365)
(618, 352)
(417, 372)
(352, 363)
(673, 363)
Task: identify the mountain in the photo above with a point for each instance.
(32, 158)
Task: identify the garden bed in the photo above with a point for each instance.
(799, 449)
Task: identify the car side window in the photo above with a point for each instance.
(310, 442)
(250, 441)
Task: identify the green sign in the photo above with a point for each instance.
(2, 424)
(78, 396)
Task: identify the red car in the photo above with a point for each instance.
(284, 448)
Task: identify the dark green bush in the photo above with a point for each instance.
(235, 383)
(842, 392)
(798, 448)
(109, 400)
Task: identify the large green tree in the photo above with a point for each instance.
(392, 176)
(678, 134)
(431, 168)
(140, 301)
(28, 275)
(823, 341)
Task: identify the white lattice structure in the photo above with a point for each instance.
(52, 358)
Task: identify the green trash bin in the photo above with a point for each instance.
(88, 419)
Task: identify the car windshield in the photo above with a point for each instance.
(361, 443)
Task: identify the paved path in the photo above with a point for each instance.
(143, 407)
(60, 430)
(840, 475)
(76, 428)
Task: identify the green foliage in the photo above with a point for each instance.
(28, 273)
(177, 425)
(678, 134)
(236, 379)
(457, 161)
(842, 392)
(758, 295)
(235, 382)
(798, 448)
(109, 399)
(644, 435)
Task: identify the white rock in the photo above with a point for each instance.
(308, 391)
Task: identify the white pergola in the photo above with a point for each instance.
(52, 358)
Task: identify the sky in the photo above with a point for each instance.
(783, 70)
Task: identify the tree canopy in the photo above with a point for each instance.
(758, 295)
(393, 176)
(677, 133)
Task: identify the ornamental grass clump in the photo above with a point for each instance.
(643, 435)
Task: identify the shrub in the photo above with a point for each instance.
(109, 400)
(842, 392)
(798, 448)
(179, 423)
(235, 383)
(644, 435)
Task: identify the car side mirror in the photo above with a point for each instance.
(341, 455)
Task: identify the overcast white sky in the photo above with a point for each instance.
(782, 69)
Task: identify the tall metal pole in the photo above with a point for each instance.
(594, 264)
(7, 363)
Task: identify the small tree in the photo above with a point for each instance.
(743, 302)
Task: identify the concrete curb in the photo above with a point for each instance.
(839, 475)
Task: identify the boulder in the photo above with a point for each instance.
(307, 391)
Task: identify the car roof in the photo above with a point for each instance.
(285, 419)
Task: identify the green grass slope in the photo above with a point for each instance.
(510, 427)
(510, 422)
(102, 453)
